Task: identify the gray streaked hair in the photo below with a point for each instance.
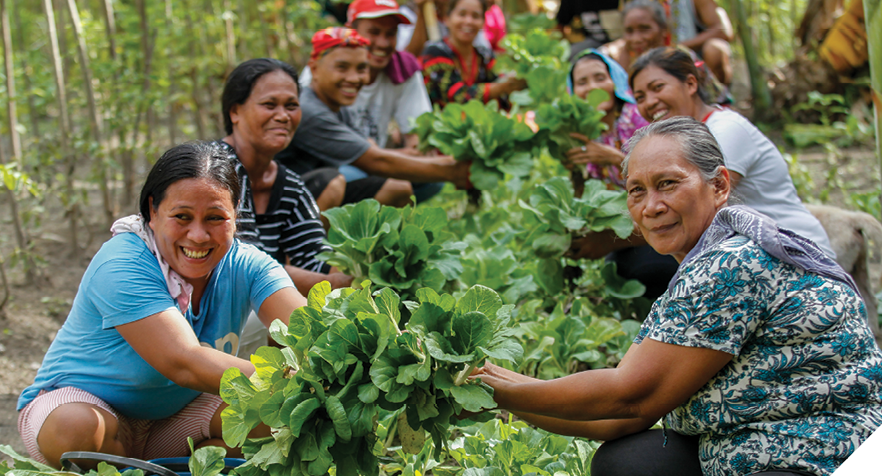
(653, 7)
(696, 141)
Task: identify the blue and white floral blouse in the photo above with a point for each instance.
(804, 388)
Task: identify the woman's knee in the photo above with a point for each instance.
(79, 427)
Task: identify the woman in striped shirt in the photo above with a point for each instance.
(276, 211)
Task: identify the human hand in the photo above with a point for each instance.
(592, 153)
(591, 246)
(461, 171)
(514, 83)
(340, 280)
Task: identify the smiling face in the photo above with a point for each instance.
(194, 226)
(269, 117)
(339, 75)
(383, 34)
(660, 95)
(642, 33)
(668, 199)
(591, 74)
(465, 21)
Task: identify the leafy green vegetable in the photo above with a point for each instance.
(494, 143)
(554, 215)
(569, 113)
(541, 60)
(405, 249)
(351, 360)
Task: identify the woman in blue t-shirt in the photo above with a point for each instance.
(136, 368)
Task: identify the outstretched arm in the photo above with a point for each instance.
(403, 166)
(652, 379)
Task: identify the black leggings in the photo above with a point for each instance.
(647, 454)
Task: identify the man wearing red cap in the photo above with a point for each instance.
(396, 89)
(334, 133)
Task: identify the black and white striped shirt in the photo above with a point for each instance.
(290, 228)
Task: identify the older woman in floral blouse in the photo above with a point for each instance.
(758, 357)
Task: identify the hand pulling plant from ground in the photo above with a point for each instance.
(344, 358)
(494, 143)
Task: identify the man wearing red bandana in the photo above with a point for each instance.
(330, 137)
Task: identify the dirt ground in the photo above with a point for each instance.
(34, 314)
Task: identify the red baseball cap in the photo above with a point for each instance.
(374, 9)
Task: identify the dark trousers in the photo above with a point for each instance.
(646, 454)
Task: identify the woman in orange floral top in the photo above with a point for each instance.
(457, 71)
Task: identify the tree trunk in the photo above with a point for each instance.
(873, 22)
(32, 108)
(62, 39)
(762, 98)
(20, 235)
(172, 83)
(243, 29)
(231, 35)
(69, 198)
(110, 24)
(95, 122)
(10, 84)
(198, 116)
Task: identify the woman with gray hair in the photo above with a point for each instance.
(758, 358)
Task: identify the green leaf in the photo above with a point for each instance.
(338, 416)
(301, 414)
(471, 330)
(479, 299)
(473, 397)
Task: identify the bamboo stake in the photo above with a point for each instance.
(10, 84)
(21, 237)
(58, 73)
(95, 122)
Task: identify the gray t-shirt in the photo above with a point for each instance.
(324, 138)
(766, 185)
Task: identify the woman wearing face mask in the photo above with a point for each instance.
(594, 70)
(457, 71)
(136, 369)
(667, 84)
(646, 27)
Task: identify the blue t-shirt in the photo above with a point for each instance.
(123, 284)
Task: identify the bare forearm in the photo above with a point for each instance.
(304, 279)
(595, 430)
(205, 367)
(585, 396)
(394, 164)
(420, 36)
(697, 41)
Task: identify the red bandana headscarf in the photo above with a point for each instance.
(333, 37)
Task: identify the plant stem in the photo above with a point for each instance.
(464, 374)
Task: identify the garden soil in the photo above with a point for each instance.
(35, 313)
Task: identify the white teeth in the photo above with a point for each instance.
(195, 254)
(659, 114)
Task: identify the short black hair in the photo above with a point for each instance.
(241, 81)
(198, 159)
